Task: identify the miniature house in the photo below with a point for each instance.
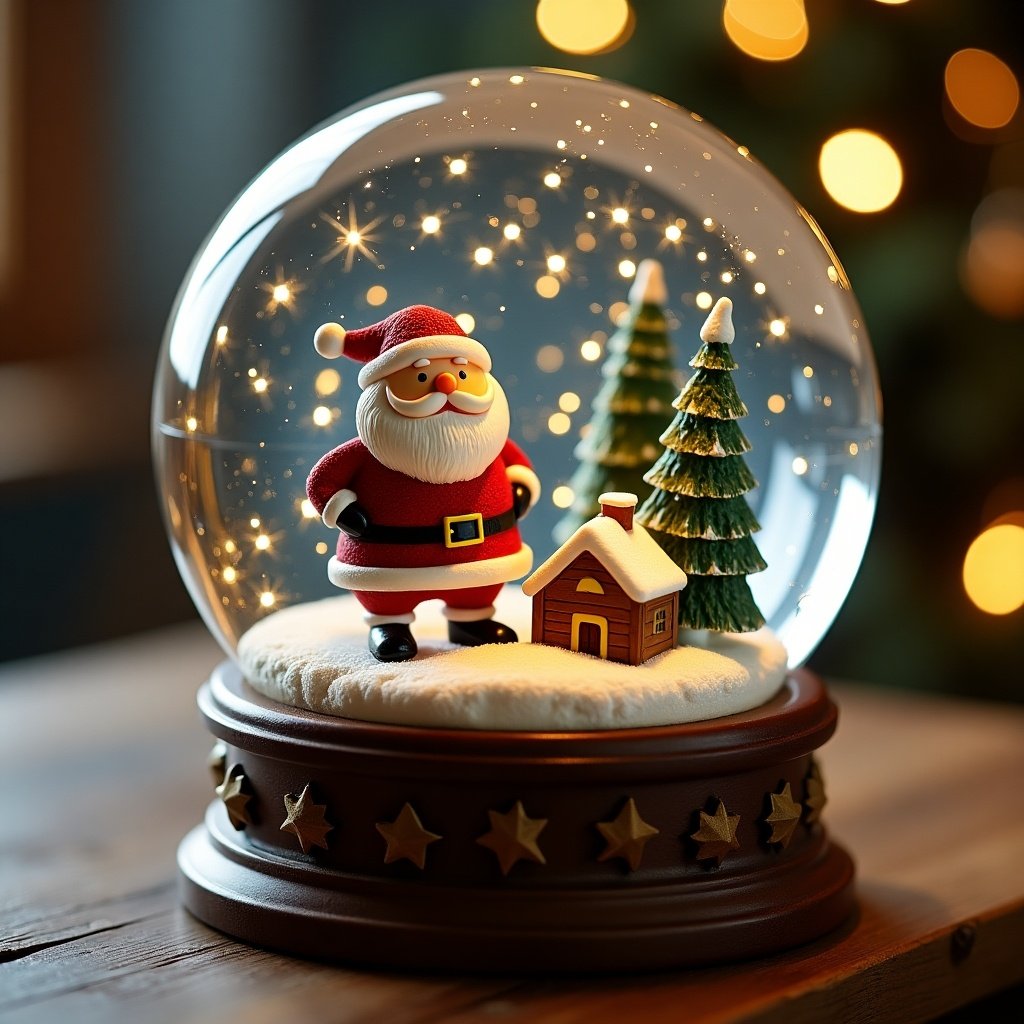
(609, 591)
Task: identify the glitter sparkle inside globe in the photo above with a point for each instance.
(520, 202)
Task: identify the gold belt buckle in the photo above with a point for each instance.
(449, 530)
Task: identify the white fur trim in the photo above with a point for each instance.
(481, 573)
(339, 501)
(403, 618)
(433, 347)
(468, 614)
(618, 499)
(329, 340)
(525, 476)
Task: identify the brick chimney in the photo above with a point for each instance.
(619, 505)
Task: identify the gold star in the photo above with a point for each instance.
(217, 762)
(815, 800)
(626, 835)
(513, 837)
(406, 837)
(232, 794)
(717, 834)
(784, 816)
(306, 820)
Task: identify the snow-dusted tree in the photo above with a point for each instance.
(630, 409)
(697, 511)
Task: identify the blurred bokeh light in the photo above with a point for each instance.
(585, 26)
(982, 88)
(766, 29)
(860, 170)
(994, 569)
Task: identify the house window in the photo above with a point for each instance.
(588, 585)
(660, 620)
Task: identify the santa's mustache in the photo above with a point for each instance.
(430, 405)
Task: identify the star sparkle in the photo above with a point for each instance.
(351, 239)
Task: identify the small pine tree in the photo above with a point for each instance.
(697, 511)
(630, 409)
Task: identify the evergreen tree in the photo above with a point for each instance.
(697, 511)
(630, 409)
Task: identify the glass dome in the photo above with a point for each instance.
(520, 202)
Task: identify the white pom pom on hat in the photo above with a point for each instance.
(329, 340)
(718, 326)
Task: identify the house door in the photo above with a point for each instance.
(590, 634)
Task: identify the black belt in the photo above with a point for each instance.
(454, 532)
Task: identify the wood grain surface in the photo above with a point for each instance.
(102, 770)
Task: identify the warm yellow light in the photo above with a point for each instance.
(230, 547)
(726, 277)
(759, 288)
(703, 300)
(483, 255)
(267, 599)
(584, 26)
(322, 416)
(562, 496)
(568, 401)
(776, 403)
(992, 269)
(321, 547)
(860, 170)
(800, 465)
(466, 321)
(230, 574)
(430, 224)
(550, 358)
(808, 372)
(982, 89)
(458, 166)
(191, 423)
(627, 268)
(552, 179)
(586, 242)
(281, 293)
(673, 232)
(327, 382)
(262, 542)
(353, 238)
(777, 328)
(309, 510)
(749, 256)
(376, 295)
(620, 215)
(994, 569)
(559, 423)
(260, 384)
(222, 334)
(766, 29)
(547, 286)
(556, 263)
(590, 350)
(254, 523)
(616, 311)
(512, 231)
(853, 448)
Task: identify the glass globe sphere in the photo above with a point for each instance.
(520, 202)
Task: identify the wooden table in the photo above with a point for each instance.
(102, 771)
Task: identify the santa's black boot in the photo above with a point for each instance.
(392, 641)
(480, 631)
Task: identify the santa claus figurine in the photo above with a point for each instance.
(428, 497)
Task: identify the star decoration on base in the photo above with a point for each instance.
(306, 820)
(217, 762)
(406, 837)
(717, 834)
(232, 793)
(513, 837)
(626, 836)
(784, 816)
(815, 800)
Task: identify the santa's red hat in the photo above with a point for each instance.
(416, 332)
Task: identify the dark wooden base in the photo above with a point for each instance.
(575, 911)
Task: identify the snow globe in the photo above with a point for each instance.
(616, 794)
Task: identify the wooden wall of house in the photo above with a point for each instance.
(652, 643)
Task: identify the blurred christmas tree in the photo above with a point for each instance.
(630, 410)
(697, 511)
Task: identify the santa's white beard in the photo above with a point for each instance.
(440, 449)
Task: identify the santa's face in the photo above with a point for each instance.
(439, 420)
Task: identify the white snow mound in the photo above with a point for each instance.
(314, 656)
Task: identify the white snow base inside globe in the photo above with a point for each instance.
(314, 656)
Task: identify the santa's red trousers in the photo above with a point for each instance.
(403, 602)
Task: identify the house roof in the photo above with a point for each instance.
(633, 557)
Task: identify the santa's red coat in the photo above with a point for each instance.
(394, 499)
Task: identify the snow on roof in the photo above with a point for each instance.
(633, 557)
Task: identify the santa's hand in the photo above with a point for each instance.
(354, 520)
(521, 500)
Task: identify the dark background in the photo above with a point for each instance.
(129, 127)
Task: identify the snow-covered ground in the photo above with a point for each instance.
(314, 656)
